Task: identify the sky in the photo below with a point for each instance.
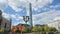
(43, 11)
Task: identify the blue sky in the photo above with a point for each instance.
(43, 11)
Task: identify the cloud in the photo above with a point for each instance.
(3, 4)
(13, 16)
(45, 17)
(15, 4)
(16, 17)
(57, 18)
(6, 15)
(25, 3)
(55, 6)
(41, 3)
(19, 18)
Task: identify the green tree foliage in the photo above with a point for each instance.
(2, 30)
(45, 28)
(36, 29)
(53, 29)
(24, 29)
(28, 29)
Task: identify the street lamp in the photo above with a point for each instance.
(26, 19)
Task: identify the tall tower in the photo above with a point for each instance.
(31, 23)
(29, 13)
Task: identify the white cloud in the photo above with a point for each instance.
(17, 3)
(45, 17)
(55, 6)
(35, 8)
(13, 16)
(14, 4)
(3, 4)
(41, 3)
(57, 18)
(5, 15)
(16, 17)
(19, 18)
(3, 1)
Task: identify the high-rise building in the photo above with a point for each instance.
(29, 13)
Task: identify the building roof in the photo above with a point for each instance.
(25, 25)
(39, 25)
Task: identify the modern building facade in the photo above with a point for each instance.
(55, 24)
(4, 23)
(29, 13)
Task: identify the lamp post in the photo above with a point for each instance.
(26, 19)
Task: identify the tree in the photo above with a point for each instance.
(53, 29)
(46, 28)
(36, 29)
(17, 30)
(13, 28)
(24, 29)
(42, 29)
(28, 29)
(2, 30)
